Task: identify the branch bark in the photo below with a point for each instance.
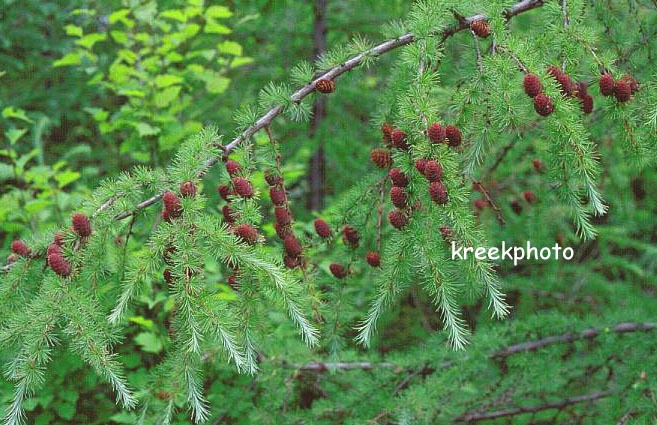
(476, 417)
(299, 95)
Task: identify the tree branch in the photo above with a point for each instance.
(299, 95)
(476, 417)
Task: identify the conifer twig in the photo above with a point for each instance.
(299, 95)
(489, 199)
(476, 417)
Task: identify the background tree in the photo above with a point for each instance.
(172, 290)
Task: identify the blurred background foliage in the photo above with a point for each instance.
(89, 89)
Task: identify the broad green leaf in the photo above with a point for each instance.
(127, 55)
(217, 84)
(164, 98)
(245, 60)
(68, 59)
(230, 48)
(166, 80)
(218, 12)
(119, 73)
(10, 112)
(132, 93)
(98, 114)
(73, 30)
(175, 14)
(65, 178)
(89, 12)
(120, 37)
(65, 410)
(6, 171)
(144, 129)
(174, 57)
(24, 159)
(121, 15)
(36, 205)
(14, 134)
(212, 27)
(149, 342)
(191, 30)
(142, 321)
(89, 40)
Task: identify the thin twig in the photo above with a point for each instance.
(489, 199)
(476, 417)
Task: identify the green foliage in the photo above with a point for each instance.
(154, 64)
(33, 192)
(156, 307)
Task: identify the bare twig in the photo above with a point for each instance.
(493, 205)
(476, 417)
(570, 337)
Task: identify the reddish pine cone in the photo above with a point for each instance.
(81, 225)
(480, 204)
(399, 139)
(438, 193)
(229, 215)
(233, 167)
(529, 196)
(247, 233)
(283, 215)
(277, 196)
(397, 219)
(381, 157)
(433, 171)
(398, 178)
(59, 238)
(447, 232)
(243, 187)
(532, 85)
(350, 236)
(568, 86)
(453, 135)
(282, 230)
(292, 246)
(19, 247)
(171, 204)
(516, 207)
(338, 271)
(168, 277)
(543, 105)
(607, 84)
(436, 133)
(188, 189)
(272, 178)
(373, 259)
(291, 262)
(233, 281)
(325, 86)
(582, 89)
(554, 71)
(480, 27)
(634, 84)
(622, 91)
(421, 164)
(538, 165)
(398, 197)
(224, 191)
(386, 130)
(587, 104)
(165, 216)
(59, 265)
(322, 228)
(53, 248)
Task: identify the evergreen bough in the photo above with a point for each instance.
(87, 309)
